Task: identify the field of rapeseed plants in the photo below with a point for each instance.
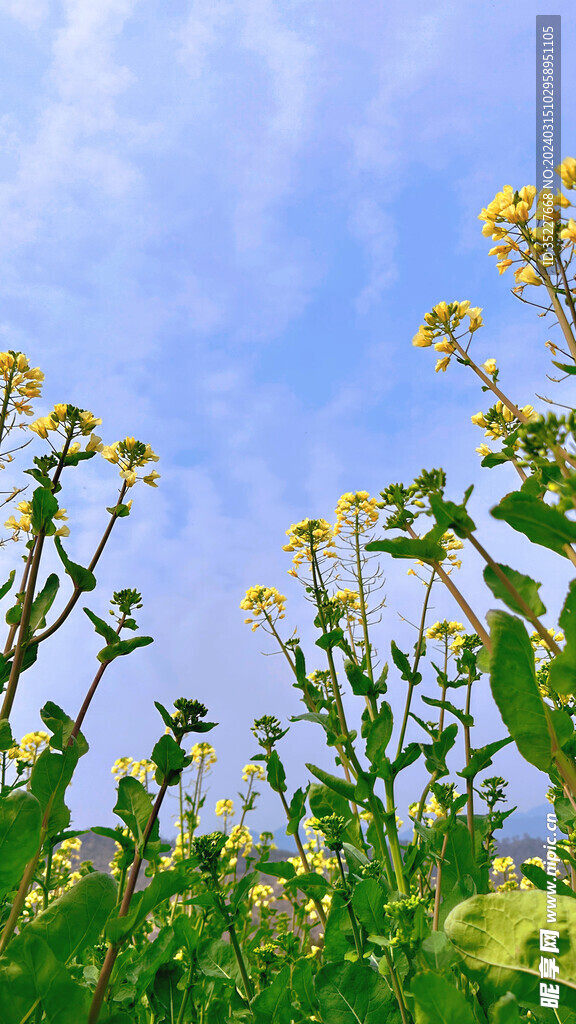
(360, 927)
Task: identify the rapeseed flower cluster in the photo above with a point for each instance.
(203, 755)
(499, 421)
(239, 843)
(224, 809)
(68, 421)
(253, 771)
(357, 510)
(264, 603)
(21, 380)
(30, 747)
(126, 766)
(444, 630)
(442, 323)
(507, 207)
(132, 455)
(506, 868)
(539, 646)
(261, 895)
(309, 539)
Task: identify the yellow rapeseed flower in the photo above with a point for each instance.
(567, 171)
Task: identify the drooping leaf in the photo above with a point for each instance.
(6, 738)
(275, 773)
(297, 810)
(82, 579)
(352, 993)
(514, 688)
(525, 585)
(378, 734)
(342, 787)
(164, 885)
(20, 818)
(482, 758)
(542, 524)
(39, 978)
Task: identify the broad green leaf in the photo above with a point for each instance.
(241, 889)
(50, 776)
(498, 939)
(352, 993)
(505, 1010)
(82, 579)
(103, 628)
(121, 647)
(563, 668)
(14, 615)
(439, 1002)
(514, 688)
(166, 993)
(542, 524)
(438, 951)
(44, 507)
(303, 972)
(76, 457)
(216, 959)
(275, 773)
(20, 818)
(74, 921)
(169, 759)
(457, 712)
(426, 548)
(338, 938)
(448, 515)
(329, 640)
(43, 602)
(60, 725)
(482, 758)
(314, 885)
(120, 511)
(525, 585)
(541, 878)
(274, 1004)
(565, 367)
(401, 661)
(39, 978)
(277, 868)
(368, 902)
(134, 806)
(378, 734)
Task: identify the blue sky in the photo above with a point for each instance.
(222, 223)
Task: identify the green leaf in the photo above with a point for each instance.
(75, 920)
(439, 1002)
(134, 806)
(110, 635)
(49, 779)
(340, 786)
(8, 585)
(76, 457)
(426, 549)
(303, 973)
(352, 993)
(275, 773)
(329, 640)
(60, 725)
(447, 706)
(494, 459)
(44, 508)
(482, 758)
(20, 819)
(324, 800)
(165, 714)
(498, 938)
(274, 1004)
(563, 668)
(448, 515)
(368, 901)
(38, 978)
(541, 879)
(406, 757)
(6, 738)
(82, 579)
(565, 367)
(121, 647)
(378, 734)
(120, 511)
(542, 524)
(514, 688)
(526, 587)
(169, 759)
(217, 960)
(401, 661)
(505, 1011)
(164, 885)
(43, 602)
(277, 868)
(297, 810)
(14, 615)
(361, 684)
(167, 992)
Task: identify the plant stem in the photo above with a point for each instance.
(437, 894)
(351, 914)
(416, 662)
(92, 690)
